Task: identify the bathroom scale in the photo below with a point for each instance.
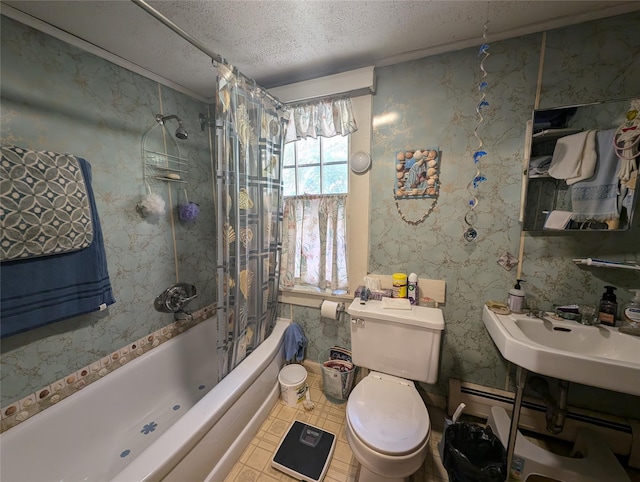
(305, 452)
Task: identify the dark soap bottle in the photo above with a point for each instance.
(608, 307)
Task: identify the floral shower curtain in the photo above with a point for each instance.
(250, 132)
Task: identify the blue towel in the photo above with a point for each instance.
(39, 291)
(294, 342)
(596, 198)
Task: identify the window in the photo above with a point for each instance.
(295, 288)
(316, 166)
(316, 180)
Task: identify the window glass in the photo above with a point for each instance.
(335, 178)
(309, 180)
(335, 149)
(289, 154)
(308, 151)
(289, 182)
(316, 166)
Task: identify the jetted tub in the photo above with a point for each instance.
(156, 418)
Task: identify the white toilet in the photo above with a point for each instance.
(388, 424)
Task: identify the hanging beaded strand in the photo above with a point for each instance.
(470, 232)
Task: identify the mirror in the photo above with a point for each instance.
(580, 167)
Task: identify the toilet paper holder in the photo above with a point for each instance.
(339, 308)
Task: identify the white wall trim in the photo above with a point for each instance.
(358, 81)
(358, 209)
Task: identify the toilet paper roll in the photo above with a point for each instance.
(329, 309)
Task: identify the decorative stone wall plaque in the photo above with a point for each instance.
(417, 173)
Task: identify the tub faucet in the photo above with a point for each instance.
(175, 298)
(183, 316)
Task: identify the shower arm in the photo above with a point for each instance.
(181, 132)
(161, 119)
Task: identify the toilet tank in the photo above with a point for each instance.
(404, 343)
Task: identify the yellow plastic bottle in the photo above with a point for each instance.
(399, 285)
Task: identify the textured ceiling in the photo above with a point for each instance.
(278, 42)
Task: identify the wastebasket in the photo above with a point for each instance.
(338, 374)
(473, 454)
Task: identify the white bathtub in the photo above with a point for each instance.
(155, 418)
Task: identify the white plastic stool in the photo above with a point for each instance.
(598, 464)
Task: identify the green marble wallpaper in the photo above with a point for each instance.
(60, 98)
(431, 102)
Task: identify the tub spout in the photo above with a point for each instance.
(183, 316)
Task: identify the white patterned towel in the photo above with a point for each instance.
(44, 205)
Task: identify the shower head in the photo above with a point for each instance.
(181, 132)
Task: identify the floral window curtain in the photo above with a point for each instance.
(326, 117)
(314, 248)
(249, 141)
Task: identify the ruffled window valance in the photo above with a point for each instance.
(325, 117)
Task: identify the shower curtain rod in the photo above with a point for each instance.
(214, 56)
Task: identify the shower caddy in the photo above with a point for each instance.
(162, 166)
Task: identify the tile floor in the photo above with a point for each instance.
(255, 463)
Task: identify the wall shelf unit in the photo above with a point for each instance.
(603, 263)
(543, 194)
(162, 160)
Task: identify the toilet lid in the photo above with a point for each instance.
(388, 414)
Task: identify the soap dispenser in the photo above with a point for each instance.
(515, 300)
(631, 311)
(608, 307)
(631, 315)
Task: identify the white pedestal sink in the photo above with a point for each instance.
(597, 356)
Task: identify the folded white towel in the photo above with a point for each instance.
(396, 303)
(589, 159)
(568, 153)
(557, 219)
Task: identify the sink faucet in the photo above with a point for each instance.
(537, 314)
(588, 315)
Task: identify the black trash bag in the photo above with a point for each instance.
(473, 454)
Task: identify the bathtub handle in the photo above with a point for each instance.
(175, 298)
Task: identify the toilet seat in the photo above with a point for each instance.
(388, 415)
